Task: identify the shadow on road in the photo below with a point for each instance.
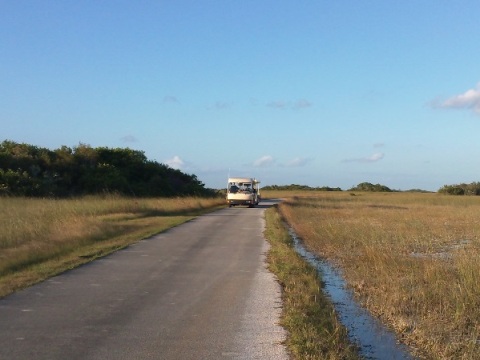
(264, 204)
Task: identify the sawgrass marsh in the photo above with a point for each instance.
(412, 259)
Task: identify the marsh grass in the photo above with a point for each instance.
(313, 329)
(412, 259)
(41, 237)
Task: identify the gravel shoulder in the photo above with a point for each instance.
(261, 336)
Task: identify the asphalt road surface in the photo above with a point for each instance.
(198, 291)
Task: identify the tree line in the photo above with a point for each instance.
(457, 189)
(300, 187)
(364, 187)
(28, 170)
(461, 189)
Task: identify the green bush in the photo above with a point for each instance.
(461, 189)
(27, 170)
(366, 186)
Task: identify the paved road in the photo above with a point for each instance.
(198, 291)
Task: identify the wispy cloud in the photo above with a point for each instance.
(170, 99)
(470, 99)
(220, 105)
(283, 104)
(129, 139)
(369, 159)
(298, 162)
(264, 161)
(175, 163)
(278, 104)
(302, 104)
(375, 157)
(378, 145)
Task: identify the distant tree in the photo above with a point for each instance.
(473, 188)
(300, 187)
(327, 188)
(451, 190)
(417, 191)
(461, 189)
(366, 186)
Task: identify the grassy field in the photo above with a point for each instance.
(411, 259)
(42, 237)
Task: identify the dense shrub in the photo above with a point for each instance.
(366, 186)
(28, 170)
(461, 189)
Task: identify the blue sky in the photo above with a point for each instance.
(319, 93)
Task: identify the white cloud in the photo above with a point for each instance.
(298, 162)
(264, 161)
(375, 157)
(470, 99)
(369, 159)
(175, 163)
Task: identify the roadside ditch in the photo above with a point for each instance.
(373, 339)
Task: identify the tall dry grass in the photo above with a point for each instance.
(412, 259)
(34, 231)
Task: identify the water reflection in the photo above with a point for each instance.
(374, 340)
